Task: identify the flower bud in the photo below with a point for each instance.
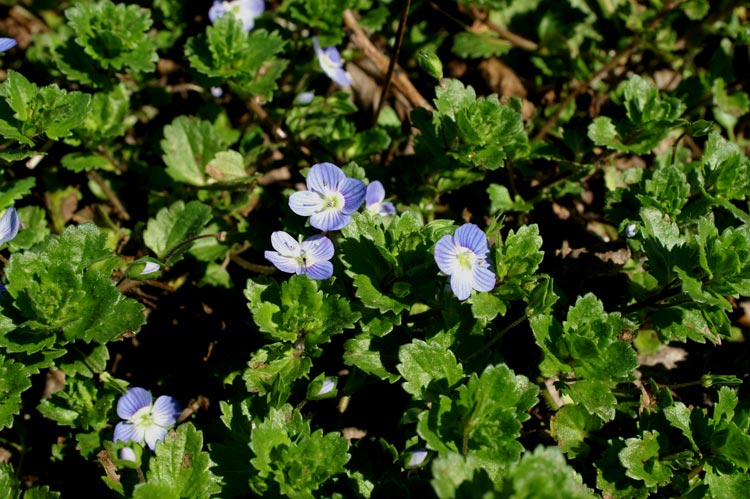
(430, 63)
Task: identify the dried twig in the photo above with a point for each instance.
(400, 80)
(392, 64)
(111, 196)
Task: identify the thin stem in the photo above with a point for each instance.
(513, 38)
(497, 337)
(253, 267)
(221, 236)
(400, 80)
(674, 148)
(394, 58)
(111, 196)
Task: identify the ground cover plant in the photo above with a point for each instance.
(321, 248)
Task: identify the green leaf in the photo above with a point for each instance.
(483, 416)
(596, 396)
(227, 166)
(544, 474)
(641, 460)
(83, 161)
(49, 110)
(247, 61)
(114, 36)
(298, 310)
(362, 352)
(456, 476)
(427, 365)
(64, 292)
(189, 145)
(181, 465)
(167, 233)
(570, 426)
(14, 380)
(108, 118)
(650, 117)
(469, 45)
(275, 368)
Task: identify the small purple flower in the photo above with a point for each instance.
(308, 257)
(463, 256)
(331, 63)
(145, 421)
(9, 225)
(374, 200)
(304, 98)
(244, 10)
(128, 454)
(331, 197)
(7, 44)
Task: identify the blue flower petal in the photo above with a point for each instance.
(445, 254)
(324, 177)
(386, 209)
(9, 225)
(317, 249)
(375, 193)
(470, 236)
(166, 411)
(133, 400)
(306, 203)
(285, 244)
(125, 432)
(320, 270)
(461, 283)
(484, 278)
(328, 220)
(354, 192)
(286, 264)
(154, 434)
(7, 44)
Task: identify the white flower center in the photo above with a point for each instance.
(332, 200)
(466, 258)
(143, 418)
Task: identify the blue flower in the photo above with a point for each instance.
(331, 197)
(145, 421)
(244, 10)
(463, 256)
(9, 225)
(7, 44)
(309, 257)
(374, 200)
(331, 63)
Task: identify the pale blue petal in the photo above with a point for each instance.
(387, 209)
(9, 225)
(128, 454)
(340, 76)
(283, 263)
(354, 192)
(125, 432)
(375, 193)
(461, 283)
(332, 53)
(7, 44)
(154, 434)
(484, 278)
(317, 249)
(306, 203)
(329, 220)
(470, 236)
(134, 400)
(324, 177)
(285, 244)
(216, 11)
(445, 254)
(320, 270)
(316, 47)
(166, 411)
(255, 7)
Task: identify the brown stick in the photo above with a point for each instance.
(111, 196)
(392, 65)
(513, 38)
(400, 80)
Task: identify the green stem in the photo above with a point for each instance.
(220, 236)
